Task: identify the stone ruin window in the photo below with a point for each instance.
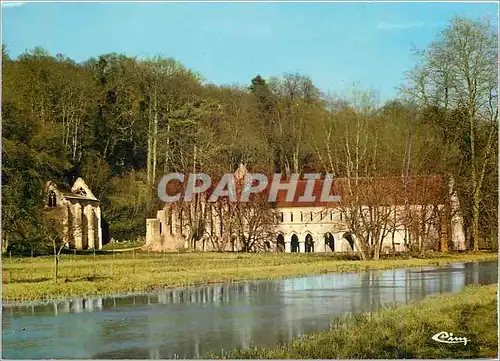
(81, 192)
(52, 199)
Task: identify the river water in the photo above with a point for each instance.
(189, 322)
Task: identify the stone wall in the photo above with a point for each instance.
(83, 225)
(163, 233)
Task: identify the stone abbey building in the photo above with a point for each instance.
(81, 214)
(321, 227)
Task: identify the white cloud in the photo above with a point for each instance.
(12, 4)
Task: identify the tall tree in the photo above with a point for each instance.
(458, 74)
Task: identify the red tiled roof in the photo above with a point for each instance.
(381, 190)
(393, 190)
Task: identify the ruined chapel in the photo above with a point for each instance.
(80, 212)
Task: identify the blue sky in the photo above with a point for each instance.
(336, 44)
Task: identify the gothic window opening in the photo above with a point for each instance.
(309, 244)
(330, 241)
(280, 243)
(52, 199)
(350, 239)
(81, 192)
(295, 246)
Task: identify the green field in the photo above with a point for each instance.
(33, 278)
(403, 332)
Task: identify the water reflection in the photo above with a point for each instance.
(190, 322)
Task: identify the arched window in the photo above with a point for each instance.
(295, 247)
(282, 218)
(301, 217)
(309, 244)
(350, 239)
(311, 216)
(291, 216)
(52, 199)
(280, 243)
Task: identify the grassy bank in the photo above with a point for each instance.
(32, 278)
(403, 332)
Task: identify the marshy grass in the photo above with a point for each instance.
(105, 273)
(401, 332)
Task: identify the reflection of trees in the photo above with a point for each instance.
(199, 327)
(190, 330)
(488, 273)
(57, 307)
(453, 281)
(447, 279)
(422, 290)
(370, 299)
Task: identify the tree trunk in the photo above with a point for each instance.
(150, 145)
(443, 236)
(57, 268)
(56, 261)
(296, 160)
(475, 221)
(167, 151)
(155, 140)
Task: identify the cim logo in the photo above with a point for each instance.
(445, 337)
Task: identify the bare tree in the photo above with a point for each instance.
(255, 223)
(54, 230)
(370, 208)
